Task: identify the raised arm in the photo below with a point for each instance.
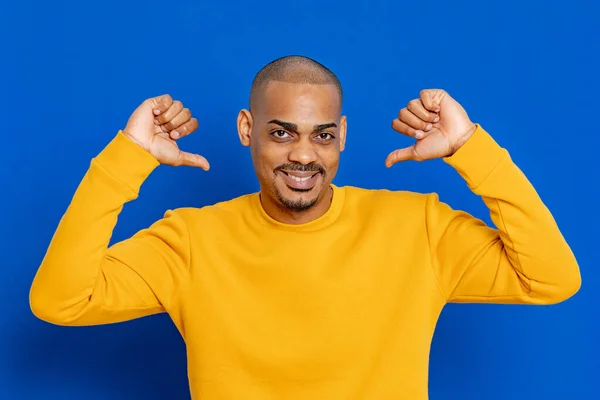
(83, 281)
(525, 259)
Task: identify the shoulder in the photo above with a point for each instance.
(220, 212)
(384, 198)
(393, 205)
(398, 210)
(400, 206)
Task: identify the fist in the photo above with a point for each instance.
(156, 126)
(439, 124)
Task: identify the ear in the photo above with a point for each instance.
(244, 126)
(342, 130)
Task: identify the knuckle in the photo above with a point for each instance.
(164, 101)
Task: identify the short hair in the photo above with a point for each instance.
(293, 69)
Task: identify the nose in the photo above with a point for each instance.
(303, 152)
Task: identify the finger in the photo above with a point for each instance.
(413, 121)
(180, 119)
(174, 109)
(432, 99)
(407, 130)
(417, 108)
(405, 154)
(193, 160)
(160, 104)
(185, 129)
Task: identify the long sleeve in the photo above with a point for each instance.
(525, 260)
(83, 281)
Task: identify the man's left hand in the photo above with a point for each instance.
(439, 124)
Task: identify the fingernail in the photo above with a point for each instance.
(437, 119)
(156, 112)
(175, 134)
(419, 134)
(156, 122)
(428, 127)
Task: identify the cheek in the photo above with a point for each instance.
(330, 159)
(267, 158)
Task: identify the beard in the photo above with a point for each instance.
(298, 204)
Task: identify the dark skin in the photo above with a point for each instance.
(295, 130)
(296, 134)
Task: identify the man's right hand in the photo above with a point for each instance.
(157, 124)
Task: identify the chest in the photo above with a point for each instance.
(316, 305)
(310, 271)
(322, 284)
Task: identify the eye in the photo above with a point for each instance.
(280, 134)
(325, 136)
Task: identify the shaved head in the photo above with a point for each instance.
(292, 69)
(296, 131)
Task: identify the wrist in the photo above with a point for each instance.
(463, 139)
(127, 162)
(134, 140)
(478, 158)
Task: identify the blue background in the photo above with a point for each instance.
(73, 71)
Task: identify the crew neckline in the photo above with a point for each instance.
(330, 216)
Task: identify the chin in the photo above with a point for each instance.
(296, 199)
(297, 203)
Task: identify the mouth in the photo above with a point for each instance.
(300, 180)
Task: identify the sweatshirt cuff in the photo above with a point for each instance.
(127, 161)
(477, 158)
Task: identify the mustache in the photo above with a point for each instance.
(302, 168)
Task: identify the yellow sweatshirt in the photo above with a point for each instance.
(343, 307)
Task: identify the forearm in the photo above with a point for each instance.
(68, 275)
(529, 259)
(531, 238)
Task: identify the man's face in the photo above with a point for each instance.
(295, 135)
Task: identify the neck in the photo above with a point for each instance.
(284, 215)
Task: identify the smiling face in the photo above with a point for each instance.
(295, 133)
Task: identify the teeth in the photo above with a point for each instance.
(298, 179)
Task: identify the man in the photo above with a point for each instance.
(304, 290)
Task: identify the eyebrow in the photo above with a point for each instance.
(294, 128)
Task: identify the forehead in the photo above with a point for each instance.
(295, 102)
